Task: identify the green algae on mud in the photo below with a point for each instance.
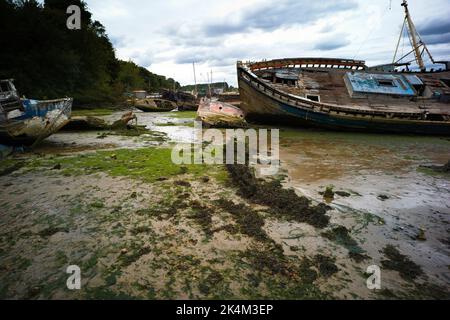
(184, 114)
(148, 164)
(93, 112)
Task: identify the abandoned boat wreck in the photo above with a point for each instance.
(154, 105)
(27, 121)
(183, 100)
(342, 94)
(219, 114)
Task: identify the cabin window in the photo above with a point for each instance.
(313, 97)
(386, 83)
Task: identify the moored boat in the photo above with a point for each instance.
(219, 114)
(27, 121)
(343, 94)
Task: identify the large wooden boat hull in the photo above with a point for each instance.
(37, 121)
(263, 103)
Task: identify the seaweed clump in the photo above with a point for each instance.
(202, 216)
(210, 283)
(398, 262)
(272, 262)
(325, 265)
(282, 202)
(249, 222)
(16, 166)
(341, 236)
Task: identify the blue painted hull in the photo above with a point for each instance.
(37, 121)
(261, 107)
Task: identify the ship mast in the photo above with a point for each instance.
(413, 33)
(195, 79)
(415, 39)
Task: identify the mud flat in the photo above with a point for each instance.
(142, 227)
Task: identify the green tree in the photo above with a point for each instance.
(48, 60)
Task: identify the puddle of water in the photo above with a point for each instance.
(172, 125)
(177, 128)
(369, 166)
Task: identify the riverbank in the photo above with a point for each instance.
(142, 227)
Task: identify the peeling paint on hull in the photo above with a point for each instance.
(39, 120)
(220, 114)
(263, 103)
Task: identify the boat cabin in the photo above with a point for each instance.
(9, 98)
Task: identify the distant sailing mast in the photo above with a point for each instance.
(195, 80)
(417, 44)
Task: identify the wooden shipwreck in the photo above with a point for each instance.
(154, 105)
(345, 94)
(27, 121)
(219, 114)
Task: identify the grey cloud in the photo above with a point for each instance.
(436, 31)
(202, 42)
(437, 39)
(217, 58)
(332, 43)
(435, 27)
(271, 16)
(192, 41)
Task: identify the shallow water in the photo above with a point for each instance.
(381, 173)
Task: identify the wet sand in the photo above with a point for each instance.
(127, 247)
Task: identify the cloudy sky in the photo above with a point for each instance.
(166, 36)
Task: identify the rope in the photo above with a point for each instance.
(370, 33)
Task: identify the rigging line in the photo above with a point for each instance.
(399, 39)
(370, 34)
(403, 42)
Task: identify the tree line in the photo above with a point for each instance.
(47, 60)
(203, 88)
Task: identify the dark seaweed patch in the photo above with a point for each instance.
(398, 262)
(341, 236)
(16, 166)
(202, 216)
(134, 255)
(182, 183)
(249, 222)
(210, 282)
(325, 265)
(282, 202)
(48, 232)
